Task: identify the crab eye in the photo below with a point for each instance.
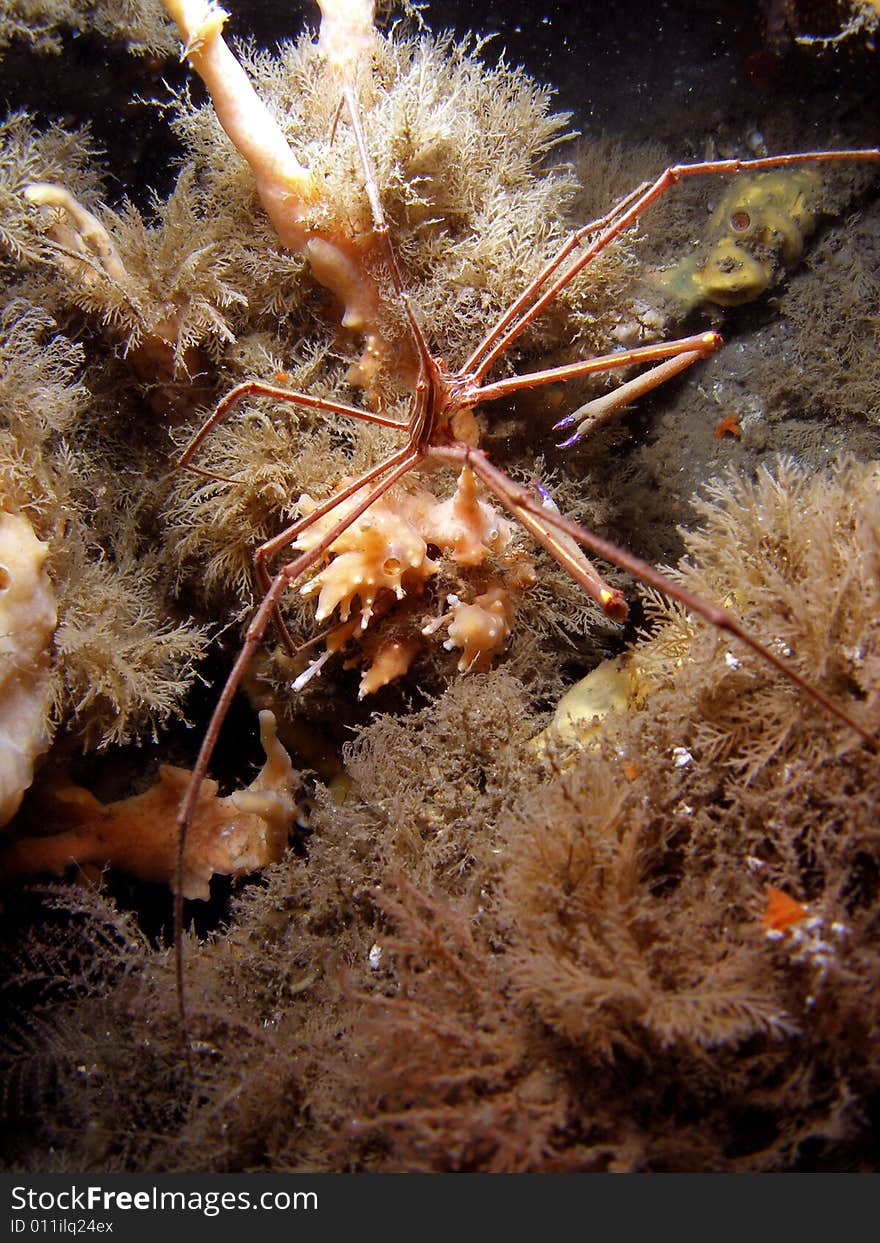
(740, 220)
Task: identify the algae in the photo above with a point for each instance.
(475, 957)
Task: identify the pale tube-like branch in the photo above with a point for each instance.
(287, 190)
(346, 34)
(285, 187)
(86, 236)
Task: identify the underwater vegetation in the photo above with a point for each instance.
(647, 946)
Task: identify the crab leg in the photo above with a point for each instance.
(593, 413)
(398, 464)
(380, 224)
(533, 517)
(256, 388)
(289, 534)
(521, 303)
(520, 502)
(531, 302)
(683, 352)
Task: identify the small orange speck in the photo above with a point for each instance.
(630, 770)
(729, 426)
(282, 377)
(782, 911)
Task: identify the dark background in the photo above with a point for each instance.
(631, 67)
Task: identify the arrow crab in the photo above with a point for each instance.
(366, 547)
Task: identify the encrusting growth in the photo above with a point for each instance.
(27, 622)
(385, 552)
(496, 947)
(757, 230)
(231, 836)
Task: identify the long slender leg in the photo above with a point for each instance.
(559, 543)
(687, 348)
(519, 500)
(286, 537)
(398, 465)
(256, 388)
(592, 414)
(536, 296)
(380, 225)
(521, 303)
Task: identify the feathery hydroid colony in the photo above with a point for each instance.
(596, 917)
(163, 298)
(496, 963)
